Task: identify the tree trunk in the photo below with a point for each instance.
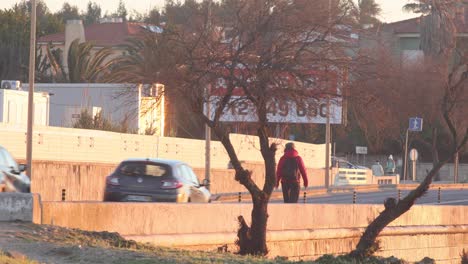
(252, 240)
(455, 167)
(368, 245)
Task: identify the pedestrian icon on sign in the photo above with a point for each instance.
(415, 124)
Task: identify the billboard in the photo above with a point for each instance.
(240, 109)
(282, 110)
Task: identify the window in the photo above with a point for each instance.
(190, 175)
(411, 57)
(8, 159)
(2, 158)
(144, 169)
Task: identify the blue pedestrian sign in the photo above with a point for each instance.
(415, 124)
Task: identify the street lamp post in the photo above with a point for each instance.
(32, 63)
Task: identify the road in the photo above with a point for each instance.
(447, 197)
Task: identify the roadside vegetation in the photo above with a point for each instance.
(145, 253)
(9, 258)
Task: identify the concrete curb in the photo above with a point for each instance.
(434, 186)
(245, 196)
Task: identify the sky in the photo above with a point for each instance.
(391, 9)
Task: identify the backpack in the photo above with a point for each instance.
(290, 169)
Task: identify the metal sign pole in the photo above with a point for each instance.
(405, 161)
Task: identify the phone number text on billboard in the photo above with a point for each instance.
(242, 110)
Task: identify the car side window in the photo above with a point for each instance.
(9, 161)
(185, 173)
(178, 172)
(2, 158)
(192, 175)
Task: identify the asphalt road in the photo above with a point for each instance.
(447, 197)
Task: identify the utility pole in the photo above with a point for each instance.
(32, 63)
(208, 139)
(327, 125)
(327, 146)
(208, 114)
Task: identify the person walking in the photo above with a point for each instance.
(289, 171)
(390, 168)
(377, 169)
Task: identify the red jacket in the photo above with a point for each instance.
(292, 153)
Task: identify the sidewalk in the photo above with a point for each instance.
(317, 191)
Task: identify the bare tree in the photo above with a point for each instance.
(263, 56)
(392, 90)
(452, 108)
(393, 209)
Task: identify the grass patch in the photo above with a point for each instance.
(9, 258)
(144, 253)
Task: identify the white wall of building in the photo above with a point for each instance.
(14, 107)
(116, 101)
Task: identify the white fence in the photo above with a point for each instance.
(352, 177)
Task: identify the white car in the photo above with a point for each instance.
(342, 163)
(349, 174)
(12, 175)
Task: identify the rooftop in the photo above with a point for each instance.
(105, 34)
(411, 26)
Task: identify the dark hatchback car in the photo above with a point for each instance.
(154, 180)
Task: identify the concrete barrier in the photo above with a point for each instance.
(16, 207)
(298, 231)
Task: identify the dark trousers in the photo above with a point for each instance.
(290, 191)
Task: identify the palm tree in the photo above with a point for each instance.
(144, 59)
(151, 58)
(369, 10)
(437, 27)
(419, 6)
(84, 65)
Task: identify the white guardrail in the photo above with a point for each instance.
(351, 177)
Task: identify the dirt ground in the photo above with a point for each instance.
(48, 244)
(57, 245)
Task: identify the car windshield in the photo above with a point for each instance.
(340, 163)
(144, 169)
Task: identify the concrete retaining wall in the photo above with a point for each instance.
(295, 230)
(82, 181)
(16, 207)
